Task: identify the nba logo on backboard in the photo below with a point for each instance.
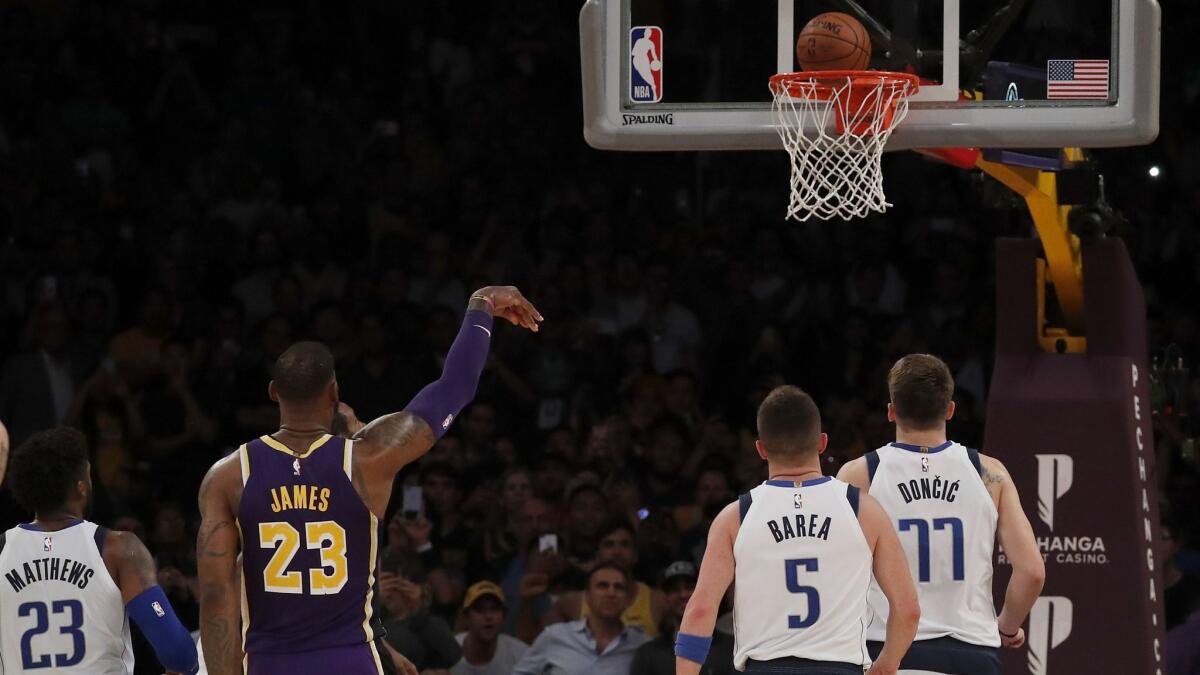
(645, 64)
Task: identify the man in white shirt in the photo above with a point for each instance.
(600, 644)
(486, 651)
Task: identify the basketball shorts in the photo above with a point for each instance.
(790, 665)
(350, 660)
(947, 655)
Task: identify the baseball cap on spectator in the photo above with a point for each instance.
(677, 569)
(480, 589)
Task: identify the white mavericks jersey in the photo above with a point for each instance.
(801, 568)
(60, 610)
(946, 521)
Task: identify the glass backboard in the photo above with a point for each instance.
(692, 74)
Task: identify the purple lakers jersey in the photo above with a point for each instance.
(308, 549)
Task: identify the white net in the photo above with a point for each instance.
(834, 127)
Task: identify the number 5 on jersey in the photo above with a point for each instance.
(326, 535)
(792, 573)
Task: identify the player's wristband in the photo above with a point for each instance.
(692, 647)
(1003, 634)
(490, 303)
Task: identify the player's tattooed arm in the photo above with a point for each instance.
(217, 566)
(130, 563)
(381, 449)
(1020, 548)
(393, 441)
(994, 474)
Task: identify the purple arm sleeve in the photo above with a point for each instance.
(440, 401)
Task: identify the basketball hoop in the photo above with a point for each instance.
(836, 163)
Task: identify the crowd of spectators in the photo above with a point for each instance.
(187, 188)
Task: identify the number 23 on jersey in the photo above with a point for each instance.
(326, 536)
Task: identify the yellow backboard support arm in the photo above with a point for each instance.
(1064, 263)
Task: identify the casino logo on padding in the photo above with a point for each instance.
(1056, 475)
(1049, 625)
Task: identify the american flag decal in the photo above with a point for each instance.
(1077, 79)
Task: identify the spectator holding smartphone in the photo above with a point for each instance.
(643, 606)
(423, 638)
(547, 576)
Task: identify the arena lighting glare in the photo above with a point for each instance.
(1155, 172)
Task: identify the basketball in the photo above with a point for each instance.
(833, 41)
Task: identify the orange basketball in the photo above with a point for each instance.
(833, 41)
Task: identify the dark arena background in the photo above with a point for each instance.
(187, 188)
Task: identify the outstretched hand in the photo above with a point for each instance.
(508, 303)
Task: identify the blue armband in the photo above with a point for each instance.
(172, 643)
(692, 647)
(440, 402)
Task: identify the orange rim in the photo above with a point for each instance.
(824, 85)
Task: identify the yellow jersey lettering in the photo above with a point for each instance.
(300, 496)
(307, 497)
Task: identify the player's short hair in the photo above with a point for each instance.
(789, 424)
(921, 388)
(45, 467)
(609, 565)
(303, 371)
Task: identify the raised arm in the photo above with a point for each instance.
(895, 580)
(716, 573)
(1021, 549)
(391, 442)
(217, 547)
(147, 604)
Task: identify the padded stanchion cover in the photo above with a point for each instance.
(1075, 432)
